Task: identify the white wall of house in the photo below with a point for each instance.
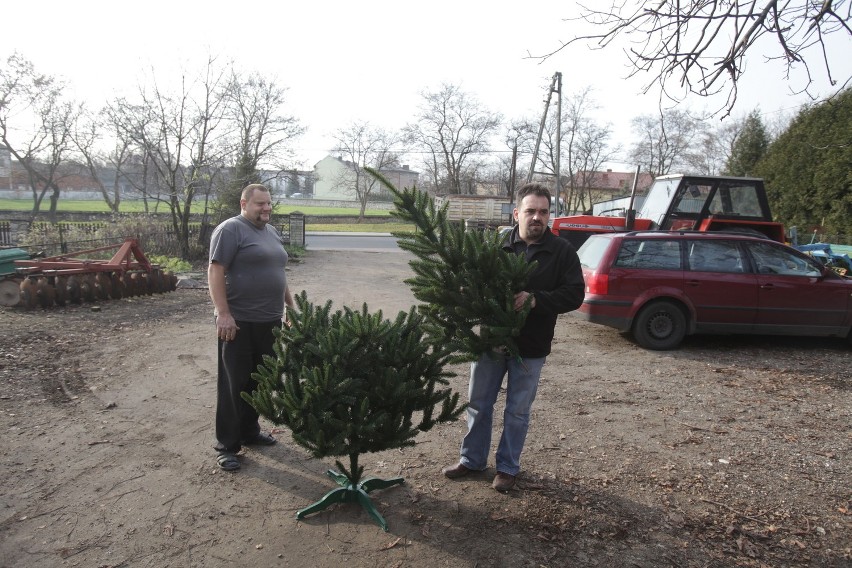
(334, 179)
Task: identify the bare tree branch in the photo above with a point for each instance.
(703, 45)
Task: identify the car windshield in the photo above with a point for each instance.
(659, 198)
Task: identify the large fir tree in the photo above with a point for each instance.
(808, 169)
(749, 147)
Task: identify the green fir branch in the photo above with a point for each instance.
(464, 279)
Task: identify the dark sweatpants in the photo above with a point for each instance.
(236, 420)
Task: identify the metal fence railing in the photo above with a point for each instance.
(158, 238)
(6, 234)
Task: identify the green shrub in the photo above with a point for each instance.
(170, 263)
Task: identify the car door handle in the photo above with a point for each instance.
(767, 286)
(693, 282)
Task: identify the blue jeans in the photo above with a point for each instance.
(486, 376)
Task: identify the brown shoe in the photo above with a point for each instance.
(503, 482)
(456, 471)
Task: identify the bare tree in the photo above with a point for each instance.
(35, 125)
(703, 44)
(179, 134)
(452, 126)
(519, 138)
(712, 148)
(362, 145)
(128, 121)
(260, 131)
(665, 140)
(584, 148)
(103, 166)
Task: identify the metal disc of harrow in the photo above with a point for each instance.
(117, 288)
(60, 285)
(140, 287)
(45, 292)
(130, 281)
(147, 283)
(10, 292)
(87, 286)
(157, 283)
(74, 289)
(28, 293)
(103, 286)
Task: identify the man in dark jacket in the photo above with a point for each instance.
(556, 286)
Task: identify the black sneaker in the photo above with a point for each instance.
(261, 440)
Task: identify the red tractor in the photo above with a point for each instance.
(688, 203)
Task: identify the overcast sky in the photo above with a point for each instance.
(367, 60)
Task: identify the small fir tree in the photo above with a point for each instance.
(350, 383)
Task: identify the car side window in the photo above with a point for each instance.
(715, 256)
(652, 254)
(769, 259)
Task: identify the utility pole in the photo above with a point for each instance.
(555, 87)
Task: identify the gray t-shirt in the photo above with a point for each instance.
(254, 261)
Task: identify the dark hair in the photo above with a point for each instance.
(533, 188)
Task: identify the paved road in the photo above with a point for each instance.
(364, 242)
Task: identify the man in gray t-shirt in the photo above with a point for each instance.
(249, 290)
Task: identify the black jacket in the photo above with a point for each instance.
(557, 284)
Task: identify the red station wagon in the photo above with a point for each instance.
(662, 286)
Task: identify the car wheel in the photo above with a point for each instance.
(660, 326)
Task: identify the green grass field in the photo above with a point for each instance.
(81, 206)
(137, 207)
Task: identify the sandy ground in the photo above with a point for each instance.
(730, 451)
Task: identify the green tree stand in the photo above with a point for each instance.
(349, 493)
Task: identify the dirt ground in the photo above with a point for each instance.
(730, 451)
